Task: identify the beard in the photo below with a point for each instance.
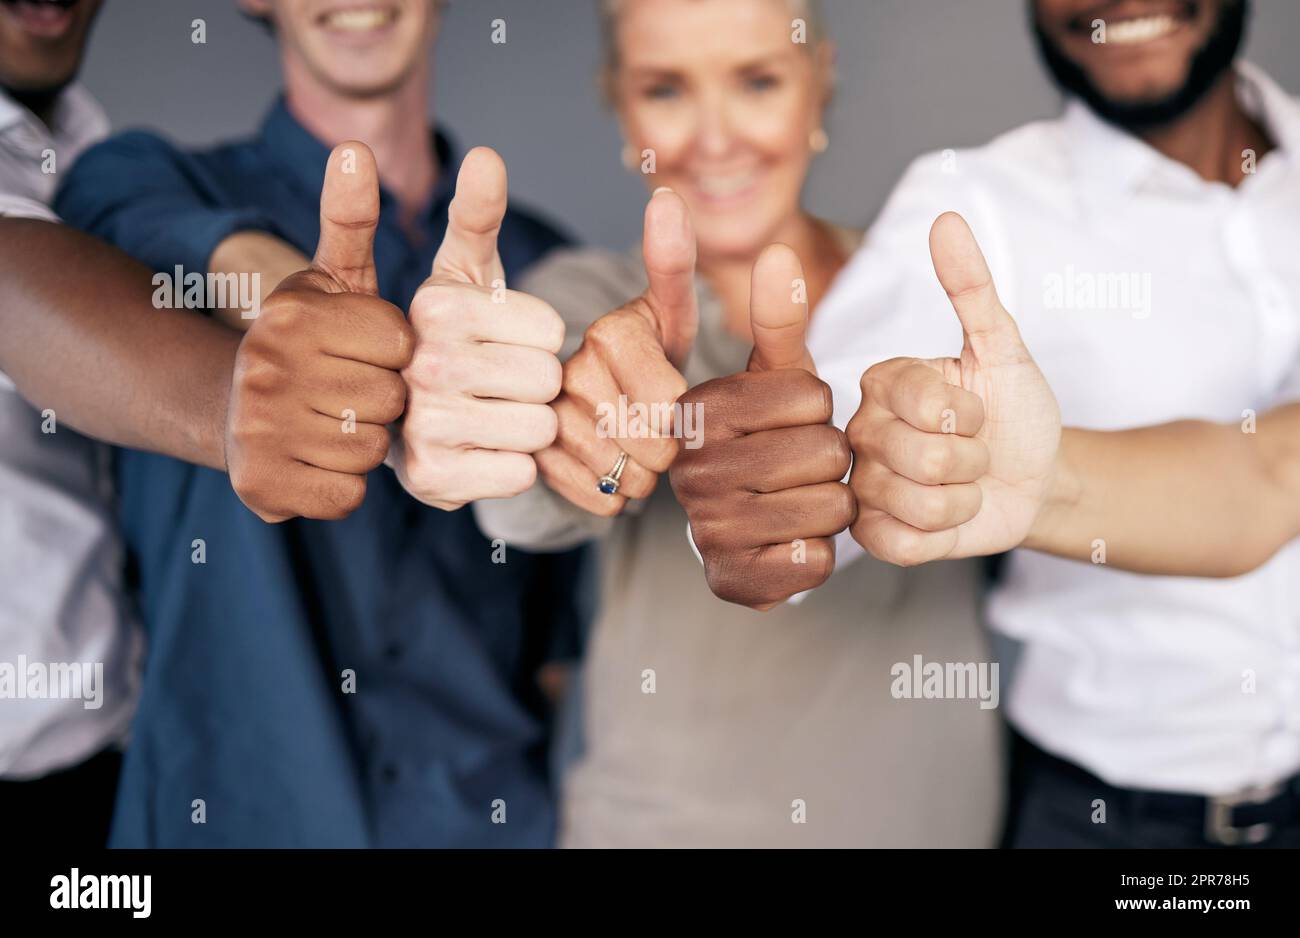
(1209, 63)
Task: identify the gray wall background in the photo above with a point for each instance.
(914, 75)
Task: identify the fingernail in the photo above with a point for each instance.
(659, 190)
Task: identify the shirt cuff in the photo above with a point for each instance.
(194, 239)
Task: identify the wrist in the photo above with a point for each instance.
(1063, 491)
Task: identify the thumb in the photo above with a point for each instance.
(778, 311)
(668, 252)
(468, 253)
(349, 214)
(989, 330)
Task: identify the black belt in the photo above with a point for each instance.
(1246, 817)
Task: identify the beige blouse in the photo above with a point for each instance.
(709, 725)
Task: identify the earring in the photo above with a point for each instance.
(819, 140)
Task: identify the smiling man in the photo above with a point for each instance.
(368, 681)
(61, 596)
(1148, 711)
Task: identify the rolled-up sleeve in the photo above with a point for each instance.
(140, 193)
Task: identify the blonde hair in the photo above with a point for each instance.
(807, 10)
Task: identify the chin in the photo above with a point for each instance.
(730, 241)
(371, 73)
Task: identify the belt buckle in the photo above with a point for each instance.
(1219, 828)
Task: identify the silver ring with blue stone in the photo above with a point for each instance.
(608, 484)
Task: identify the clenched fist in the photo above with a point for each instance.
(632, 353)
(764, 493)
(953, 457)
(485, 365)
(316, 377)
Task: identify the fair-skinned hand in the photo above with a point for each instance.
(634, 351)
(953, 457)
(484, 368)
(316, 376)
(764, 493)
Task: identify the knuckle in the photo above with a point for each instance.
(581, 377)
(284, 311)
(542, 427)
(522, 476)
(932, 508)
(605, 333)
(609, 506)
(712, 390)
(404, 343)
(551, 380)
(258, 373)
(839, 455)
(430, 368)
(640, 485)
(685, 479)
(936, 462)
(675, 388)
(346, 496)
(372, 446)
(844, 507)
(827, 399)
(727, 582)
(905, 549)
(708, 537)
(856, 432)
(553, 329)
(429, 306)
(390, 398)
(934, 403)
(820, 562)
(660, 454)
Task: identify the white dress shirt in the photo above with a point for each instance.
(61, 599)
(1168, 683)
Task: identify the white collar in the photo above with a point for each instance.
(1113, 160)
(77, 119)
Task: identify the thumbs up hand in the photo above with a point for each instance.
(628, 365)
(953, 457)
(485, 365)
(764, 493)
(316, 376)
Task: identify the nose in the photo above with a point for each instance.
(714, 128)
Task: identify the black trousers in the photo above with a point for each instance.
(72, 808)
(1055, 803)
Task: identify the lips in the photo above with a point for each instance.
(1131, 24)
(1142, 29)
(357, 20)
(722, 187)
(45, 19)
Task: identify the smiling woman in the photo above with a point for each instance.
(706, 725)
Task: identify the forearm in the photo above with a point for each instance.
(249, 252)
(1190, 498)
(79, 335)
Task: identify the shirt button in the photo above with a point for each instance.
(394, 651)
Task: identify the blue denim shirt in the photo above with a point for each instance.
(246, 705)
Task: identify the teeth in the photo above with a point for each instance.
(1143, 29)
(359, 21)
(723, 186)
